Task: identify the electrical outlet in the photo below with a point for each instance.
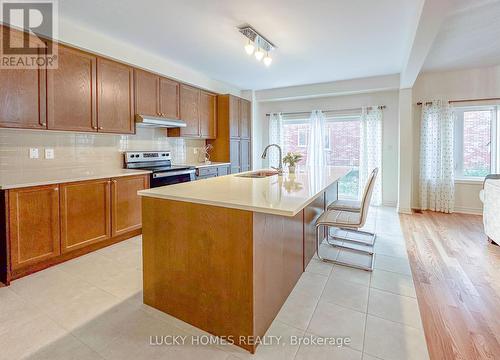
(49, 154)
(34, 153)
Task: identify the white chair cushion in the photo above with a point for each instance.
(348, 205)
(340, 218)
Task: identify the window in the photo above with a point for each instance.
(302, 137)
(475, 141)
(342, 136)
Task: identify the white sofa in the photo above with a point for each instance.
(490, 196)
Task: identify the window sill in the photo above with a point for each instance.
(470, 180)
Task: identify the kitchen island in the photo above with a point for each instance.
(223, 254)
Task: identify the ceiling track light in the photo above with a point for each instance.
(257, 44)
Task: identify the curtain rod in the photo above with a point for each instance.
(382, 107)
(464, 100)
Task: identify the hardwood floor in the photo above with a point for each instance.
(457, 280)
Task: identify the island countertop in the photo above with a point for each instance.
(283, 195)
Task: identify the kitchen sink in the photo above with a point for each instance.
(258, 174)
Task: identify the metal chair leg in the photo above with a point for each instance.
(338, 262)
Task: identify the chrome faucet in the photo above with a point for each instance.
(280, 167)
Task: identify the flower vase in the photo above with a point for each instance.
(291, 169)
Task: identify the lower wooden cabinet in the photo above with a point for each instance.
(46, 225)
(33, 220)
(85, 213)
(126, 204)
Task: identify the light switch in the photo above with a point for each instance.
(49, 154)
(33, 153)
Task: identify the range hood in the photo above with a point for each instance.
(158, 122)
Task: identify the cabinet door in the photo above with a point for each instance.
(190, 98)
(245, 118)
(207, 115)
(222, 170)
(146, 93)
(33, 225)
(169, 98)
(234, 155)
(245, 155)
(126, 204)
(71, 92)
(115, 97)
(85, 213)
(22, 93)
(234, 116)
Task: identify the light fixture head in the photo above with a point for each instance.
(268, 60)
(259, 54)
(249, 47)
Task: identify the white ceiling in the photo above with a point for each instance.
(470, 37)
(318, 40)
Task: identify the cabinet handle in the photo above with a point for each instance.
(114, 181)
(43, 124)
(100, 127)
(56, 189)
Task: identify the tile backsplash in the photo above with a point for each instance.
(84, 150)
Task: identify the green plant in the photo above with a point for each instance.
(292, 158)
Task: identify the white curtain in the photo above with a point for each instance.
(275, 137)
(316, 145)
(437, 187)
(371, 151)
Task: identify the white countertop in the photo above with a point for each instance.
(283, 195)
(48, 177)
(202, 165)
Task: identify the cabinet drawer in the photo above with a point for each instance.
(204, 171)
(206, 177)
(222, 170)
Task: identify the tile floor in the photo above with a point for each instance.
(91, 308)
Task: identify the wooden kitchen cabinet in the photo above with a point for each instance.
(126, 204)
(208, 110)
(234, 116)
(85, 213)
(245, 155)
(22, 93)
(245, 119)
(146, 93)
(115, 97)
(189, 99)
(234, 159)
(33, 218)
(169, 98)
(71, 92)
(233, 142)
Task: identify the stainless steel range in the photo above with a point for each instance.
(160, 163)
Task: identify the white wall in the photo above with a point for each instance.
(84, 38)
(476, 83)
(390, 134)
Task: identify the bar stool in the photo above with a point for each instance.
(350, 222)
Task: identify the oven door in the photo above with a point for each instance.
(171, 177)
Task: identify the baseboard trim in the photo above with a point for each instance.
(407, 211)
(468, 210)
(462, 210)
(389, 203)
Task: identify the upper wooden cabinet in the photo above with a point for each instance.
(71, 92)
(115, 97)
(169, 98)
(85, 213)
(126, 204)
(208, 110)
(33, 225)
(198, 109)
(146, 93)
(190, 98)
(155, 95)
(22, 94)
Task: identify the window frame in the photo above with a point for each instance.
(299, 132)
(458, 139)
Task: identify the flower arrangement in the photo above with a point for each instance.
(291, 159)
